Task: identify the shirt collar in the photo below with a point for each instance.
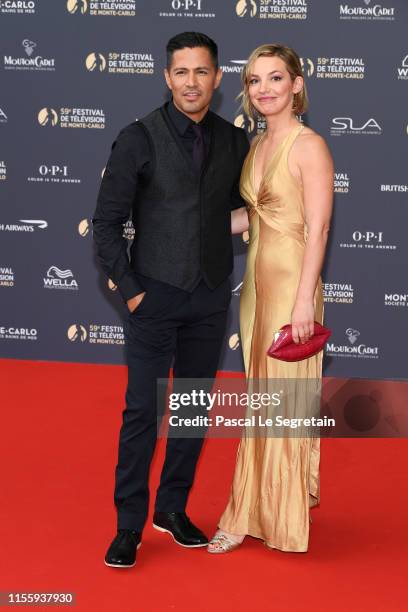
(181, 122)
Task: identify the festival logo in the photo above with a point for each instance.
(24, 225)
(252, 127)
(31, 61)
(403, 70)
(368, 240)
(233, 342)
(47, 116)
(17, 7)
(246, 8)
(308, 66)
(354, 348)
(60, 279)
(18, 333)
(341, 182)
(400, 300)
(338, 293)
(53, 173)
(95, 62)
(106, 334)
(364, 10)
(77, 6)
(3, 171)
(92, 118)
(272, 9)
(187, 8)
(244, 122)
(121, 62)
(348, 126)
(340, 68)
(84, 227)
(77, 333)
(6, 277)
(97, 334)
(102, 8)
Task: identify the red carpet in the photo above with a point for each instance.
(57, 516)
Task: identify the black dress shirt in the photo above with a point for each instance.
(183, 125)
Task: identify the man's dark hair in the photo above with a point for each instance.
(191, 40)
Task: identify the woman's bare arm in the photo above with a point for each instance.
(316, 167)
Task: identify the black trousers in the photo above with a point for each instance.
(168, 324)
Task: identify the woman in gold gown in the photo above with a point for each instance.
(287, 183)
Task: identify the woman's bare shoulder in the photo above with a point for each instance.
(309, 143)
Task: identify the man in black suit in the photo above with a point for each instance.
(176, 172)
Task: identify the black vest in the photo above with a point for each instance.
(182, 219)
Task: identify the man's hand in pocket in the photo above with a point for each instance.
(134, 302)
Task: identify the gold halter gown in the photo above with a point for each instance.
(276, 480)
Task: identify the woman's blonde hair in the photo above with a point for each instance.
(294, 67)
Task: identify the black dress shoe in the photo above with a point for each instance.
(122, 551)
(180, 527)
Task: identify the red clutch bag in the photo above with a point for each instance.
(285, 349)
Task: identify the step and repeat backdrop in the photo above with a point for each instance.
(73, 73)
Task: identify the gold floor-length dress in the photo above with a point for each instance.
(276, 480)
